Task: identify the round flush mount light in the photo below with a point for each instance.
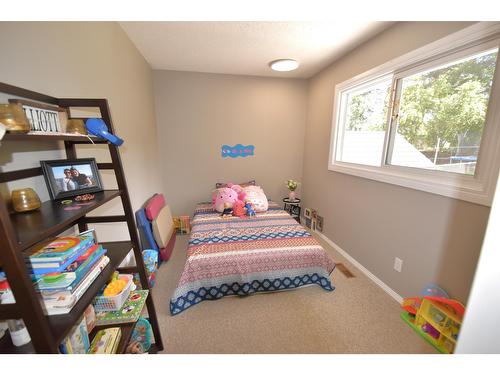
(284, 65)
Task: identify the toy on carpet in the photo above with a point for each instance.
(140, 342)
(250, 209)
(435, 317)
(434, 290)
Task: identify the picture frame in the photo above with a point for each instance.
(62, 184)
(308, 222)
(307, 213)
(319, 223)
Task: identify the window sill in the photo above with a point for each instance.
(466, 188)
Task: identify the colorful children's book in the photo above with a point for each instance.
(38, 268)
(90, 319)
(129, 312)
(77, 341)
(106, 341)
(82, 258)
(60, 249)
(62, 302)
(68, 279)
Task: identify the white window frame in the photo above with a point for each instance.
(478, 188)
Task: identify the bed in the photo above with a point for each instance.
(230, 256)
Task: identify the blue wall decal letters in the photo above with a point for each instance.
(237, 150)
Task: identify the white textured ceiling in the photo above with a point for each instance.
(247, 47)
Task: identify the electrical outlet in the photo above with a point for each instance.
(398, 264)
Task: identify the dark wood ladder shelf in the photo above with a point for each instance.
(53, 137)
(52, 218)
(20, 232)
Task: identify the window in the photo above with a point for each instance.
(426, 120)
(364, 122)
(440, 120)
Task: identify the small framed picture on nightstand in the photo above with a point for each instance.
(319, 223)
(308, 222)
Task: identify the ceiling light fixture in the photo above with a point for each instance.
(284, 65)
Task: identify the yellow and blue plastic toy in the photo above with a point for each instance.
(435, 317)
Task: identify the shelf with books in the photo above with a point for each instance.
(60, 325)
(21, 233)
(52, 218)
(126, 329)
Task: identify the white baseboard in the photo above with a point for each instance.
(360, 267)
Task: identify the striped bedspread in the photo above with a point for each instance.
(241, 256)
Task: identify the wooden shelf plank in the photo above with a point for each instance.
(61, 324)
(7, 347)
(9, 311)
(126, 335)
(37, 171)
(52, 137)
(52, 218)
(153, 349)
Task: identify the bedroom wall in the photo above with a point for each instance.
(438, 238)
(84, 59)
(197, 113)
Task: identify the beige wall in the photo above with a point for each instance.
(93, 60)
(197, 113)
(438, 238)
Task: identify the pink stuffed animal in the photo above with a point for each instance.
(224, 195)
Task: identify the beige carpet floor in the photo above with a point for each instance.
(358, 317)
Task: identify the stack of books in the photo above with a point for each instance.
(64, 269)
(106, 341)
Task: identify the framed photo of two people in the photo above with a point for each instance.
(68, 178)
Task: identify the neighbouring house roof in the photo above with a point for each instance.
(365, 147)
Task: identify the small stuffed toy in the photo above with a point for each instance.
(228, 210)
(239, 209)
(250, 209)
